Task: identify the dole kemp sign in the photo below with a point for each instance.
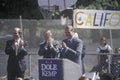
(50, 69)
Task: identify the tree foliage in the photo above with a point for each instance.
(14, 8)
(98, 4)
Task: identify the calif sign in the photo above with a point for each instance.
(96, 19)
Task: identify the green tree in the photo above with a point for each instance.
(99, 4)
(14, 8)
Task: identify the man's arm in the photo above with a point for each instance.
(9, 48)
(55, 47)
(24, 48)
(77, 51)
(73, 52)
(42, 49)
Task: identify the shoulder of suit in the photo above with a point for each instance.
(77, 39)
(42, 43)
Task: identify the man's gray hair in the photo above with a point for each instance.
(49, 32)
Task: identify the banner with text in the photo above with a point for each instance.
(96, 19)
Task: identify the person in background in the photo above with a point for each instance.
(71, 46)
(116, 57)
(50, 47)
(115, 64)
(16, 49)
(106, 76)
(103, 48)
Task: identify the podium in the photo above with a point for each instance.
(58, 69)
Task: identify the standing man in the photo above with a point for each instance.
(50, 47)
(16, 49)
(71, 46)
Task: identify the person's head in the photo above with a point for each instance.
(17, 32)
(69, 31)
(103, 41)
(47, 35)
(84, 78)
(117, 50)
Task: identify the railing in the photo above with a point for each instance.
(90, 60)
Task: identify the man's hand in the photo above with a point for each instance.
(64, 45)
(16, 43)
(22, 42)
(49, 42)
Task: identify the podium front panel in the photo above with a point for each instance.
(50, 69)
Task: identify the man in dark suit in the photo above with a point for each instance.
(16, 49)
(71, 46)
(50, 47)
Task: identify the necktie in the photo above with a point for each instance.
(16, 48)
(68, 42)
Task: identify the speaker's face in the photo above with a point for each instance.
(16, 33)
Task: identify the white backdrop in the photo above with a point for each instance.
(60, 3)
(96, 19)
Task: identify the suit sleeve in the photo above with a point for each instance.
(9, 48)
(24, 50)
(42, 50)
(77, 51)
(55, 48)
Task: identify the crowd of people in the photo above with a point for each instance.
(106, 63)
(72, 47)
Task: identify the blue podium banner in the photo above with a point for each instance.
(50, 69)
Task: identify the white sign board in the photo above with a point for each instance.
(63, 4)
(96, 19)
